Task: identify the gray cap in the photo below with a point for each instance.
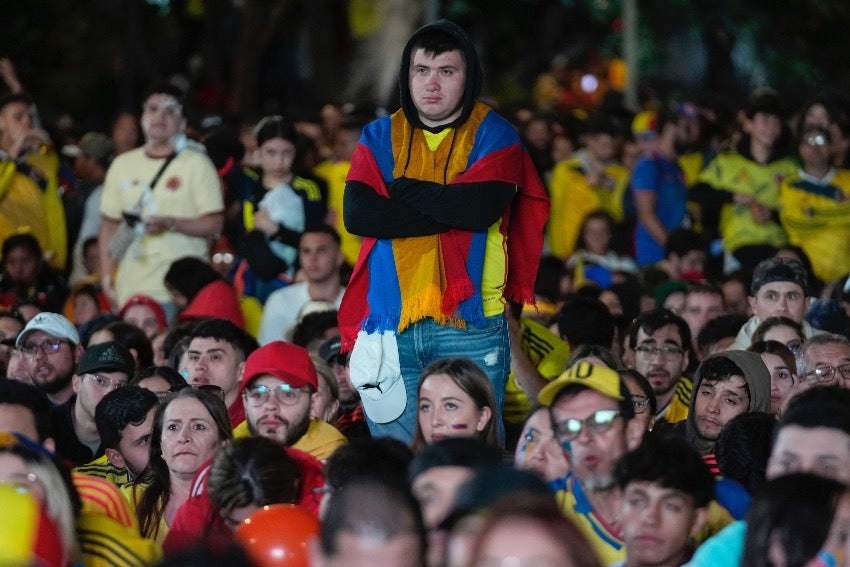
(93, 144)
(779, 270)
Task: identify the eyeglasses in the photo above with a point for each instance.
(47, 346)
(222, 258)
(285, 394)
(817, 140)
(598, 422)
(23, 482)
(826, 373)
(639, 403)
(105, 383)
(668, 352)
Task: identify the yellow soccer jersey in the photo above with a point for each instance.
(603, 538)
(548, 353)
(677, 409)
(735, 173)
(816, 217)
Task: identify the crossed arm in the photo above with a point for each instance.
(420, 208)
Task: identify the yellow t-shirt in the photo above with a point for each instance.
(188, 188)
(320, 441)
(334, 173)
(604, 539)
(132, 494)
(572, 199)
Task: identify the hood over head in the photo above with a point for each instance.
(757, 377)
(474, 73)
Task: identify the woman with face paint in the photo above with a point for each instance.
(538, 449)
(455, 399)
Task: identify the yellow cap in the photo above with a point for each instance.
(596, 377)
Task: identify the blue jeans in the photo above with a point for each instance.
(427, 341)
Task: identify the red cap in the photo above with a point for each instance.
(150, 302)
(291, 363)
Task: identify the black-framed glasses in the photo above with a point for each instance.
(826, 373)
(668, 352)
(640, 403)
(597, 422)
(47, 346)
(284, 393)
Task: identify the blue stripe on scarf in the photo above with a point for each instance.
(377, 136)
(472, 310)
(384, 296)
(494, 133)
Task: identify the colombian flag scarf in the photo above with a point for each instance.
(400, 281)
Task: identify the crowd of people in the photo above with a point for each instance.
(453, 335)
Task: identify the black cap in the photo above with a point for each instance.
(329, 349)
(779, 270)
(109, 356)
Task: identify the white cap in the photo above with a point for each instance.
(375, 372)
(53, 324)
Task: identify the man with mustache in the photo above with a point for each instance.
(51, 348)
(660, 345)
(279, 386)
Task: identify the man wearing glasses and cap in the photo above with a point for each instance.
(591, 411)
(823, 360)
(278, 388)
(102, 368)
(51, 348)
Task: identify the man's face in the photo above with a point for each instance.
(764, 128)
(90, 388)
(592, 455)
(50, 370)
(719, 402)
(700, 308)
(437, 85)
(662, 370)
(435, 489)
(320, 257)
(135, 443)
(823, 451)
(603, 146)
(274, 419)
(823, 356)
(815, 151)
(348, 394)
(15, 120)
(735, 295)
(214, 361)
(162, 118)
(658, 523)
(785, 299)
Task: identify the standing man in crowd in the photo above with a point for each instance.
(452, 213)
(172, 188)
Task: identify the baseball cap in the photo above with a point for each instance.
(329, 349)
(779, 270)
(645, 124)
(53, 324)
(291, 363)
(109, 357)
(376, 373)
(93, 144)
(596, 377)
(150, 303)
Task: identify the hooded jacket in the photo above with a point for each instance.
(409, 200)
(758, 383)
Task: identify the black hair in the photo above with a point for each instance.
(793, 511)
(454, 452)
(94, 325)
(718, 369)
(167, 373)
(276, 126)
(683, 240)
(313, 327)
(743, 448)
(190, 275)
(550, 270)
(17, 393)
(324, 228)
(585, 320)
(26, 241)
(720, 328)
(821, 406)
(223, 330)
(651, 321)
(670, 462)
(385, 455)
(166, 88)
(118, 409)
(602, 353)
(376, 507)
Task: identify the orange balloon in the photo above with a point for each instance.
(277, 535)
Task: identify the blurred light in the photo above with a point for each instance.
(589, 83)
